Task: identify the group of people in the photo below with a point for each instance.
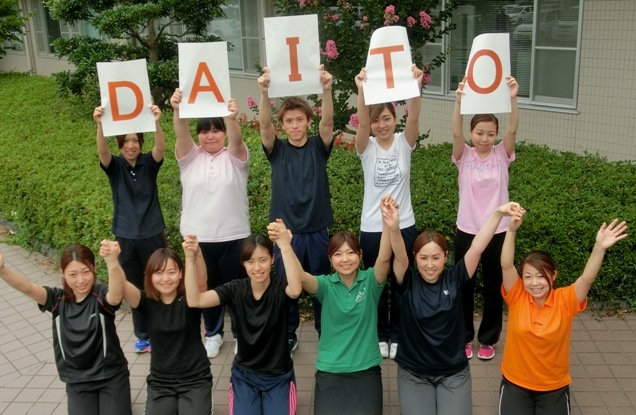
(422, 316)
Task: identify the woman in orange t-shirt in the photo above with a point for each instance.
(540, 324)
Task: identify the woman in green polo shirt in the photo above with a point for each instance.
(348, 376)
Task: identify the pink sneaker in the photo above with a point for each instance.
(469, 350)
(486, 352)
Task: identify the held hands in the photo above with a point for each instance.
(390, 214)
(190, 247)
(109, 250)
(263, 80)
(175, 99)
(608, 235)
(460, 91)
(509, 209)
(516, 220)
(326, 79)
(279, 233)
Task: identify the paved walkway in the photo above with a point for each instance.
(603, 359)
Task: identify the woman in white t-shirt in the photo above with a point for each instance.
(386, 163)
(483, 186)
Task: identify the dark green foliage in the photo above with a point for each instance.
(52, 187)
(12, 25)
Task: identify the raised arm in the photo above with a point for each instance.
(22, 283)
(195, 283)
(268, 134)
(390, 218)
(485, 234)
(326, 118)
(412, 128)
(508, 269)
(607, 236)
(184, 141)
(234, 135)
(364, 127)
(160, 138)
(102, 143)
(459, 141)
(510, 135)
(293, 270)
(109, 250)
(389, 223)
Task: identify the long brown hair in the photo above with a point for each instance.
(79, 253)
(157, 262)
(484, 118)
(543, 262)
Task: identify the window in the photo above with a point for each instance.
(48, 30)
(544, 46)
(240, 27)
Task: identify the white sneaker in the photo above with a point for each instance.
(384, 349)
(393, 350)
(213, 345)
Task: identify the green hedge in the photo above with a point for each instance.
(52, 188)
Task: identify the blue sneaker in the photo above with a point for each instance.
(142, 346)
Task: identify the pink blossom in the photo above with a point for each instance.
(365, 18)
(331, 51)
(425, 20)
(427, 79)
(271, 103)
(354, 121)
(302, 3)
(251, 103)
(334, 17)
(410, 22)
(317, 111)
(406, 110)
(390, 9)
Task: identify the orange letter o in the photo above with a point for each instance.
(498, 72)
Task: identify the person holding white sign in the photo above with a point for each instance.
(483, 185)
(138, 223)
(386, 163)
(214, 202)
(300, 186)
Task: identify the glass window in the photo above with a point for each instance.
(48, 30)
(544, 45)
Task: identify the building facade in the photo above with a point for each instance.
(574, 60)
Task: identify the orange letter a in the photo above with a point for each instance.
(203, 69)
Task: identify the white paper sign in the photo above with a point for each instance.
(125, 96)
(204, 79)
(293, 55)
(486, 90)
(389, 75)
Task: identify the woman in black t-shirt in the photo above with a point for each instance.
(262, 379)
(180, 381)
(88, 356)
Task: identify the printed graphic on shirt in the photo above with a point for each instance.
(361, 295)
(387, 171)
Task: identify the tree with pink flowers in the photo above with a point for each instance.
(346, 26)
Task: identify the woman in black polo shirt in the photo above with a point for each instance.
(88, 356)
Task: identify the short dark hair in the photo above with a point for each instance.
(376, 109)
(157, 262)
(294, 103)
(252, 242)
(79, 253)
(484, 118)
(543, 262)
(206, 124)
(341, 238)
(120, 140)
(426, 237)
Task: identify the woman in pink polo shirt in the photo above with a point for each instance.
(483, 186)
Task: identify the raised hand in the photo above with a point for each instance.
(97, 114)
(190, 246)
(263, 80)
(109, 250)
(608, 235)
(233, 108)
(509, 208)
(390, 214)
(326, 79)
(156, 111)
(175, 99)
(514, 86)
(361, 77)
(418, 74)
(460, 90)
(517, 219)
(279, 233)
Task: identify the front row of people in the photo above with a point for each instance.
(433, 371)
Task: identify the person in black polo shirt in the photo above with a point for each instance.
(137, 220)
(88, 356)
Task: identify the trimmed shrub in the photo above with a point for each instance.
(51, 186)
